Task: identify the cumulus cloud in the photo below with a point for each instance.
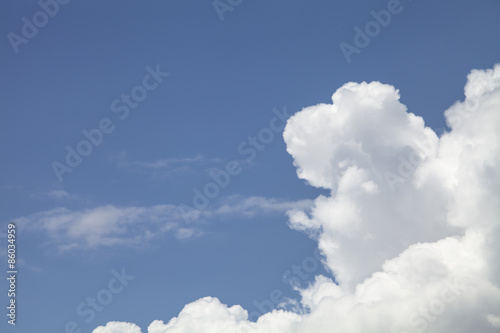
(130, 226)
(410, 229)
(117, 327)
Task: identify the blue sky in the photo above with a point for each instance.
(225, 79)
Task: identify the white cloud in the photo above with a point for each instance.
(133, 226)
(165, 167)
(209, 315)
(410, 229)
(103, 226)
(59, 194)
(56, 195)
(494, 320)
(117, 327)
(123, 160)
(251, 206)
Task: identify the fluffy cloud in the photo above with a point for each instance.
(410, 229)
(374, 212)
(117, 327)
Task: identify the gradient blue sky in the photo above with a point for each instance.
(225, 79)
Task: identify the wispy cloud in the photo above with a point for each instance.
(159, 164)
(252, 206)
(102, 226)
(59, 195)
(112, 225)
(166, 166)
